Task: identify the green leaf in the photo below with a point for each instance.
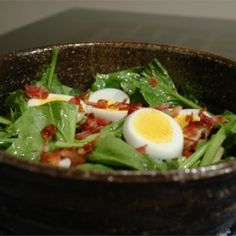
(134, 81)
(17, 103)
(92, 166)
(4, 121)
(114, 129)
(114, 152)
(50, 81)
(5, 139)
(124, 79)
(28, 143)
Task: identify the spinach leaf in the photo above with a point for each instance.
(4, 121)
(92, 166)
(50, 81)
(125, 79)
(28, 143)
(137, 79)
(115, 152)
(5, 139)
(17, 102)
(113, 129)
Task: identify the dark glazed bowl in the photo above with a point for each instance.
(40, 199)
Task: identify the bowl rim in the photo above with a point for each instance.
(122, 176)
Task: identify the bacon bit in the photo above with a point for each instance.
(77, 101)
(134, 107)
(85, 95)
(162, 107)
(48, 132)
(192, 129)
(189, 118)
(82, 135)
(91, 125)
(121, 106)
(102, 103)
(152, 81)
(189, 146)
(56, 156)
(208, 121)
(219, 119)
(35, 92)
(142, 149)
(87, 148)
(175, 111)
(73, 155)
(187, 153)
(51, 157)
(102, 122)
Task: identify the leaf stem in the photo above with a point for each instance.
(186, 101)
(188, 163)
(52, 65)
(213, 147)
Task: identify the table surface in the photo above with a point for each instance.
(80, 25)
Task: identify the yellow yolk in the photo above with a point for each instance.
(53, 99)
(182, 119)
(153, 126)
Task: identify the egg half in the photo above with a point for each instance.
(160, 132)
(182, 120)
(52, 97)
(112, 95)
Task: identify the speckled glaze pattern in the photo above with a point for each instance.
(35, 198)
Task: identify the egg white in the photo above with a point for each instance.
(53, 97)
(164, 151)
(112, 95)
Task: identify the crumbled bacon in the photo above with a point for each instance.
(175, 111)
(134, 107)
(87, 148)
(142, 149)
(48, 132)
(56, 156)
(152, 81)
(207, 120)
(77, 101)
(189, 146)
(51, 157)
(35, 92)
(91, 125)
(163, 106)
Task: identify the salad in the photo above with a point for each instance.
(134, 119)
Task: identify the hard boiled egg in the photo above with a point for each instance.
(52, 97)
(112, 95)
(182, 120)
(160, 132)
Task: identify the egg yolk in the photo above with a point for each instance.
(153, 126)
(53, 99)
(182, 121)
